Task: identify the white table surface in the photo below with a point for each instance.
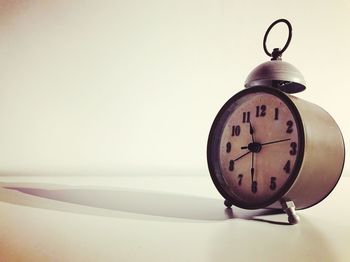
(159, 218)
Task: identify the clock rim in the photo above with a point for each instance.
(211, 150)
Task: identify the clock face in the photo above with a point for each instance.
(256, 146)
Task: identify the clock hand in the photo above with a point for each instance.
(277, 141)
(251, 131)
(242, 156)
(252, 168)
(267, 143)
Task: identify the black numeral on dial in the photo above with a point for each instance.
(260, 111)
(246, 117)
(273, 183)
(286, 167)
(240, 177)
(289, 127)
(293, 150)
(231, 165)
(236, 130)
(228, 147)
(254, 187)
(276, 113)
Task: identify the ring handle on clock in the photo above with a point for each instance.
(276, 53)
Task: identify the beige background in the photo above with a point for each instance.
(132, 87)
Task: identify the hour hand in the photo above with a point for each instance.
(251, 130)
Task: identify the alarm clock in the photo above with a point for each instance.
(270, 149)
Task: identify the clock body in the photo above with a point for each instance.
(266, 147)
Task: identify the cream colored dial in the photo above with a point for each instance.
(258, 147)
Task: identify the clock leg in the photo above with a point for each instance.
(289, 209)
(228, 203)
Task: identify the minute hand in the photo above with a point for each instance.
(273, 142)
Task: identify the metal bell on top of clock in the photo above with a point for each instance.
(277, 73)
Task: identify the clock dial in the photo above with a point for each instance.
(258, 148)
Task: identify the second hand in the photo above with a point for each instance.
(242, 156)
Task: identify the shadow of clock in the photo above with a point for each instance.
(231, 240)
(132, 203)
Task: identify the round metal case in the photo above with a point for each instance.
(286, 149)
